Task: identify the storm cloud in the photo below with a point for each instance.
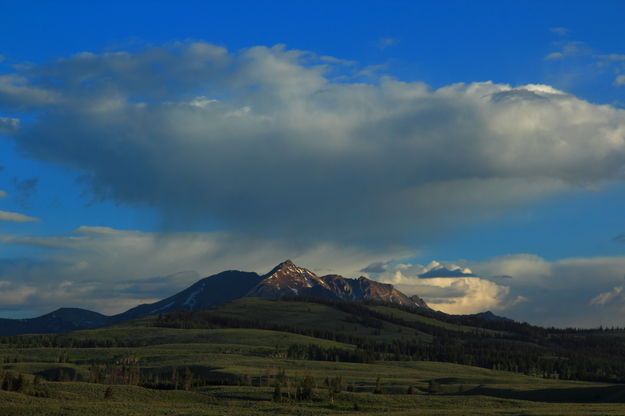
(286, 143)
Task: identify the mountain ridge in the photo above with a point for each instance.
(285, 279)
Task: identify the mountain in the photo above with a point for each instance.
(286, 279)
(419, 302)
(61, 320)
(489, 316)
(213, 290)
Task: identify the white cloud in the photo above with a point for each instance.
(571, 291)
(570, 48)
(3, 194)
(112, 270)
(264, 140)
(448, 293)
(17, 94)
(13, 294)
(283, 143)
(582, 292)
(386, 42)
(16, 217)
(9, 125)
(562, 31)
(612, 57)
(606, 297)
(527, 269)
(460, 295)
(619, 80)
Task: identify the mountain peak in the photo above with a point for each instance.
(286, 265)
(286, 279)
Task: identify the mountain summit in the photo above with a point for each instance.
(286, 279)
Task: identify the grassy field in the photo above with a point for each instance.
(235, 371)
(463, 390)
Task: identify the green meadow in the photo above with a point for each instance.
(138, 368)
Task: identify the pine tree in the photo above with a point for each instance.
(434, 387)
(277, 393)
(20, 384)
(306, 388)
(378, 386)
(108, 393)
(7, 382)
(187, 379)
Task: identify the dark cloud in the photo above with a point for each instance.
(378, 267)
(619, 238)
(502, 276)
(445, 272)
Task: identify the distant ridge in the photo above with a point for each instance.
(489, 316)
(61, 320)
(286, 279)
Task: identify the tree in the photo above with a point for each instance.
(306, 388)
(8, 382)
(277, 393)
(378, 389)
(20, 384)
(108, 393)
(434, 387)
(187, 379)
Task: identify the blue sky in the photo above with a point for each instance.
(198, 137)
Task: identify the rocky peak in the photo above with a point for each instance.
(288, 270)
(419, 302)
(288, 279)
(285, 265)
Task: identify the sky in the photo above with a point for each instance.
(470, 152)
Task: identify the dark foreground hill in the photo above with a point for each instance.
(286, 279)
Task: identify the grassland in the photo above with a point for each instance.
(234, 371)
